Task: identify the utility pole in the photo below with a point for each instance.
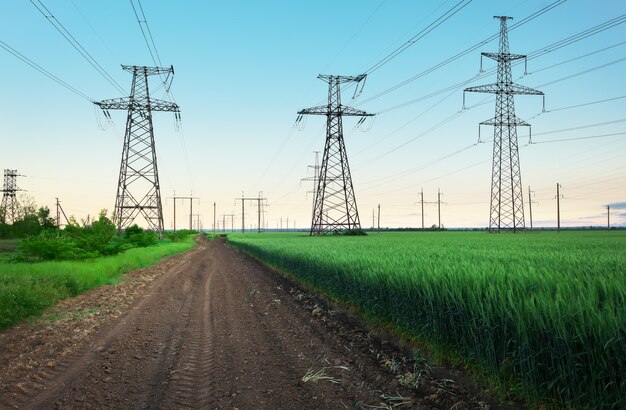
(378, 218)
(197, 221)
(138, 188)
(373, 224)
(422, 202)
(335, 206)
(232, 222)
(558, 207)
(507, 205)
(439, 206)
(190, 198)
(530, 206)
(213, 218)
(9, 207)
(243, 199)
(608, 217)
(59, 212)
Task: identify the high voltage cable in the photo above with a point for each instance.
(143, 33)
(580, 138)
(418, 168)
(440, 20)
(577, 58)
(412, 170)
(584, 72)
(585, 104)
(480, 162)
(535, 54)
(598, 124)
(485, 74)
(44, 71)
(75, 44)
(465, 52)
(453, 116)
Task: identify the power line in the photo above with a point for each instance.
(620, 60)
(357, 32)
(464, 52)
(440, 20)
(535, 54)
(580, 138)
(43, 71)
(580, 127)
(157, 60)
(578, 58)
(585, 104)
(456, 114)
(75, 44)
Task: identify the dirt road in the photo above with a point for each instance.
(213, 329)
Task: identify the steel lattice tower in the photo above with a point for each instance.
(9, 206)
(334, 202)
(507, 205)
(138, 189)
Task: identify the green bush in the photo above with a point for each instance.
(177, 236)
(53, 245)
(140, 238)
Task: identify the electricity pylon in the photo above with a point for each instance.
(335, 204)
(9, 207)
(138, 189)
(507, 204)
(314, 178)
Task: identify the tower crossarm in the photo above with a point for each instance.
(503, 88)
(503, 56)
(341, 110)
(149, 70)
(516, 121)
(342, 78)
(126, 103)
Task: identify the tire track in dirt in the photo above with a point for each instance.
(189, 384)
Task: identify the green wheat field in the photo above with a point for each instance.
(544, 314)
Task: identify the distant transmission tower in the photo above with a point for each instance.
(9, 206)
(138, 189)
(314, 178)
(335, 204)
(507, 205)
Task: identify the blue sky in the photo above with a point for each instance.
(244, 68)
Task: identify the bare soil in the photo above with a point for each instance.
(215, 329)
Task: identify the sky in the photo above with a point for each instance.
(243, 69)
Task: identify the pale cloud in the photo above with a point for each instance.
(618, 205)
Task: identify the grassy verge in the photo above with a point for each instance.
(26, 289)
(542, 314)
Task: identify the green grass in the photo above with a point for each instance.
(542, 313)
(26, 289)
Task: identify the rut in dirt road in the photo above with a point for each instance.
(217, 330)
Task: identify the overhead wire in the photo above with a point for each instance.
(461, 84)
(576, 58)
(56, 23)
(156, 59)
(586, 104)
(464, 52)
(439, 21)
(43, 71)
(580, 127)
(533, 55)
(579, 138)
